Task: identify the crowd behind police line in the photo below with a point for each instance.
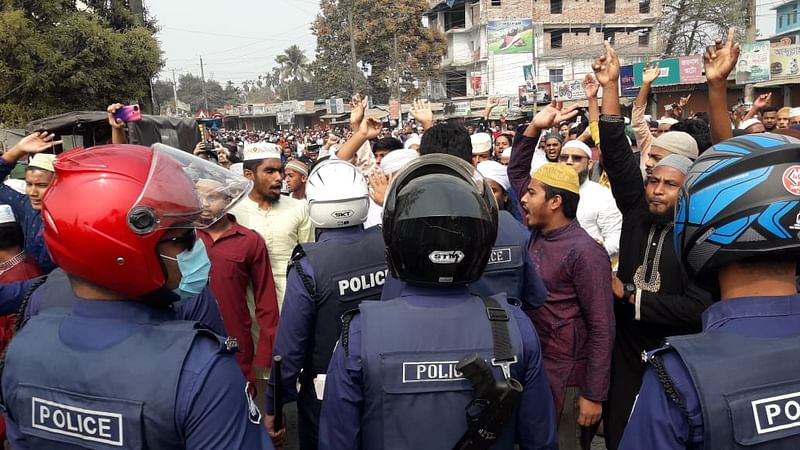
(566, 223)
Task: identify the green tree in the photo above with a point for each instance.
(416, 55)
(63, 59)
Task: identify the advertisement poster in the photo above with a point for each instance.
(691, 69)
(508, 37)
(753, 65)
(627, 88)
(569, 90)
(544, 92)
(670, 72)
(784, 61)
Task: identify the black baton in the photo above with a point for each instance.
(278, 392)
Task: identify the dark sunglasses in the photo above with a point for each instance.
(577, 158)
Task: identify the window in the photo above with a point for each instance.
(611, 6)
(780, 21)
(556, 39)
(454, 19)
(556, 75)
(495, 2)
(555, 6)
(608, 35)
(644, 39)
(644, 6)
(793, 18)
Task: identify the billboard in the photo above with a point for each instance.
(753, 65)
(783, 61)
(508, 37)
(670, 72)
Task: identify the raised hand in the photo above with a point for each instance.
(552, 114)
(721, 58)
(590, 86)
(762, 101)
(684, 101)
(370, 128)
(422, 113)
(114, 122)
(606, 67)
(651, 73)
(357, 108)
(36, 142)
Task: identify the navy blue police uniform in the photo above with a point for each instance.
(718, 394)
(188, 386)
(388, 378)
(321, 286)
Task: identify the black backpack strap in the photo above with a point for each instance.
(503, 352)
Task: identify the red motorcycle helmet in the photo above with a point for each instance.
(109, 206)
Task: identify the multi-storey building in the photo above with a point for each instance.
(568, 35)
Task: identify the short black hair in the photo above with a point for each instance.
(702, 116)
(569, 200)
(447, 138)
(388, 143)
(769, 109)
(11, 236)
(697, 129)
(252, 165)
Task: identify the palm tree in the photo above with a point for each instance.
(293, 66)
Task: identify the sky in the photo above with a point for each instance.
(238, 39)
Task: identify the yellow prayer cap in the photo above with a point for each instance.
(558, 176)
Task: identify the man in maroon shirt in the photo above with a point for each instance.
(239, 259)
(576, 323)
(15, 265)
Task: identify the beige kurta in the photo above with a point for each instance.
(282, 226)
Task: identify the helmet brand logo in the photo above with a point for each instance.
(446, 256)
(342, 214)
(791, 180)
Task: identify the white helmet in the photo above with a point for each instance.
(337, 195)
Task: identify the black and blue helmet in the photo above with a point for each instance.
(740, 199)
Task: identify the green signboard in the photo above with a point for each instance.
(670, 73)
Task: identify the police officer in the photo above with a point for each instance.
(392, 381)
(325, 279)
(735, 385)
(116, 370)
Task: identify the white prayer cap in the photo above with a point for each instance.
(496, 172)
(578, 145)
(413, 140)
(748, 123)
(397, 159)
(261, 150)
(481, 143)
(43, 161)
(7, 214)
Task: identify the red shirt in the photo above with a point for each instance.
(239, 258)
(25, 270)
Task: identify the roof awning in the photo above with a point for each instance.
(333, 116)
(777, 83)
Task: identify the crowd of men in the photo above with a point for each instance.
(528, 276)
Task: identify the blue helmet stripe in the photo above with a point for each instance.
(728, 233)
(770, 218)
(762, 141)
(709, 202)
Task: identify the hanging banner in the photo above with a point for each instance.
(507, 37)
(569, 90)
(670, 72)
(544, 92)
(783, 61)
(753, 65)
(691, 69)
(626, 82)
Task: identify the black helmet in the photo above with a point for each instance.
(740, 199)
(439, 222)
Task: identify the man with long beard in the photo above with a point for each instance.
(654, 297)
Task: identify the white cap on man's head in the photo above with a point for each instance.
(261, 150)
(481, 143)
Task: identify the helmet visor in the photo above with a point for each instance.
(184, 191)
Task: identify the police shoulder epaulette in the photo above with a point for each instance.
(227, 344)
(347, 317)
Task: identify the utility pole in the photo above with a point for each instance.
(750, 37)
(352, 46)
(203, 85)
(175, 92)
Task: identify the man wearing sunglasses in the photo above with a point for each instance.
(117, 369)
(597, 211)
